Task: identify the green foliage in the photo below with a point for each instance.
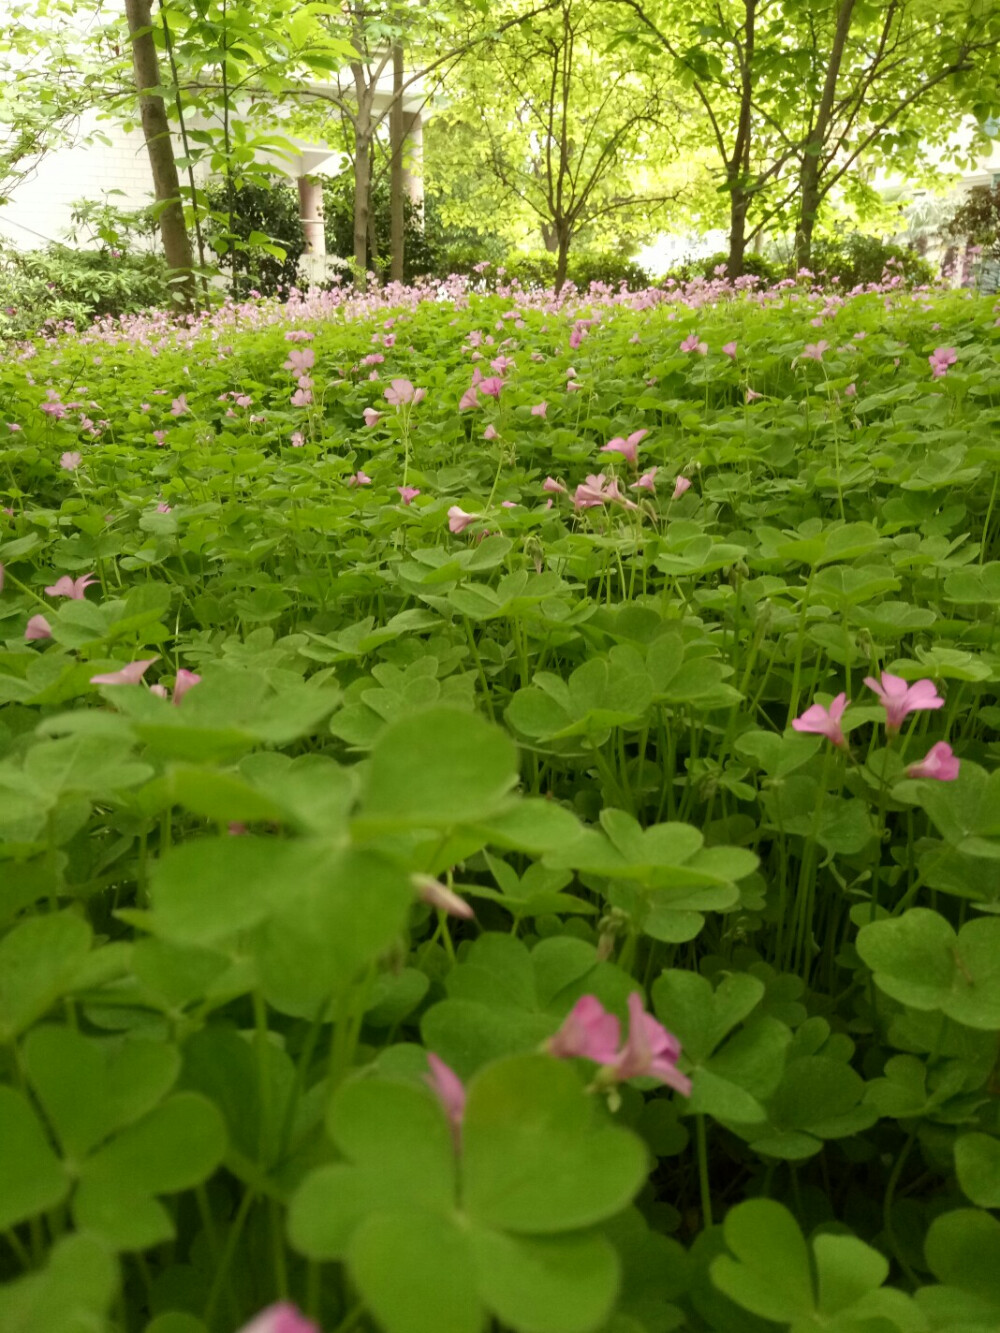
(235, 897)
(60, 286)
(854, 260)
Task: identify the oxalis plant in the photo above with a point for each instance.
(499, 815)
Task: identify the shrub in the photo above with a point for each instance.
(709, 267)
(855, 260)
(269, 208)
(59, 284)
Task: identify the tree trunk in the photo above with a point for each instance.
(397, 143)
(808, 208)
(562, 260)
(738, 166)
(156, 130)
(362, 189)
(739, 202)
(809, 172)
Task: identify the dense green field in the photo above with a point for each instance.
(598, 698)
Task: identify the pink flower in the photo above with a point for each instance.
(629, 449)
(299, 336)
(612, 492)
(591, 493)
(437, 895)
(179, 406)
(128, 675)
(302, 397)
(74, 588)
(814, 351)
(408, 493)
(938, 763)
(160, 436)
(588, 1032)
(163, 507)
(491, 386)
(446, 1084)
(70, 461)
(692, 344)
(459, 520)
(539, 409)
(280, 1318)
(647, 482)
(185, 680)
(297, 439)
(159, 690)
(850, 391)
(508, 504)
(681, 485)
(730, 350)
(371, 416)
(491, 432)
(501, 364)
(753, 395)
(359, 478)
(38, 628)
(304, 382)
(651, 1051)
(940, 359)
(822, 721)
(402, 391)
(898, 698)
(554, 487)
(13, 426)
(300, 360)
(469, 399)
(572, 386)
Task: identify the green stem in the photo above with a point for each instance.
(704, 1187)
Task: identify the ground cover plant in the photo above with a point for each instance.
(500, 816)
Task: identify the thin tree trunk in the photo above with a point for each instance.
(362, 174)
(562, 259)
(362, 186)
(809, 194)
(374, 251)
(738, 204)
(168, 43)
(397, 142)
(156, 130)
(738, 168)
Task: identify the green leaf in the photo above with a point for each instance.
(963, 1251)
(771, 1273)
(210, 889)
(700, 1017)
(400, 1142)
(90, 1088)
(977, 1161)
(32, 1178)
(346, 908)
(546, 1284)
(536, 1160)
(176, 1146)
(39, 959)
(919, 960)
(436, 769)
(416, 1274)
(72, 1293)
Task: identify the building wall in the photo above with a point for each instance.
(40, 206)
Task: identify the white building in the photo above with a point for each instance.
(101, 159)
